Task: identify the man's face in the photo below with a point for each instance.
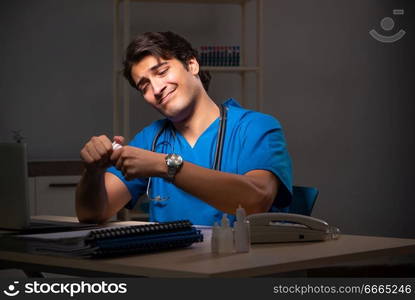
(167, 85)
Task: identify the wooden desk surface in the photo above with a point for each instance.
(197, 261)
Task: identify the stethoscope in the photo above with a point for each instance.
(218, 152)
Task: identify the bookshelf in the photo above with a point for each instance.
(121, 39)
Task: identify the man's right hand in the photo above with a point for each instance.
(99, 195)
(97, 152)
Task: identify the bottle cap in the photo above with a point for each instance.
(225, 221)
(116, 146)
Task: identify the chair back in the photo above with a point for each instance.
(303, 200)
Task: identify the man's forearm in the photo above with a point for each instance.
(91, 198)
(225, 191)
(254, 191)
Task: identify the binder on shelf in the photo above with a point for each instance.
(115, 241)
(220, 56)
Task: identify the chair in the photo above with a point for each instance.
(303, 200)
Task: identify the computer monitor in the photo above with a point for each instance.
(14, 186)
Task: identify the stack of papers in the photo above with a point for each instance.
(114, 240)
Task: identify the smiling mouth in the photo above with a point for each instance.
(167, 97)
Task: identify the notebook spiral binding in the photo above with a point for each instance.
(139, 229)
(142, 238)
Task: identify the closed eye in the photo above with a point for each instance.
(158, 70)
(163, 71)
(143, 87)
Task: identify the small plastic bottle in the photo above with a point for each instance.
(242, 231)
(225, 240)
(215, 236)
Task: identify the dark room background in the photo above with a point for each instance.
(345, 99)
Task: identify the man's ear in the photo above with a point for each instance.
(193, 66)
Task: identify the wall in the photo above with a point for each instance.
(55, 70)
(344, 99)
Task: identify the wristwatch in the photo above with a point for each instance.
(174, 162)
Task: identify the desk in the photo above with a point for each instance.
(197, 261)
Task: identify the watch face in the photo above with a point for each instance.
(174, 160)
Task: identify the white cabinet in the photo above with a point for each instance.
(53, 195)
(52, 188)
(32, 195)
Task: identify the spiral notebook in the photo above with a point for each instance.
(115, 241)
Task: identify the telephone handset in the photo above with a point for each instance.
(285, 227)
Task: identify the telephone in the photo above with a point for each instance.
(286, 227)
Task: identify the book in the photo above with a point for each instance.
(115, 241)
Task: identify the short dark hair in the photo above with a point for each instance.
(166, 45)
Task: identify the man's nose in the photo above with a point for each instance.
(158, 87)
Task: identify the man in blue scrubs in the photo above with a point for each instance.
(255, 168)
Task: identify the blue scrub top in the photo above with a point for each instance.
(253, 141)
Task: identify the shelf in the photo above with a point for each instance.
(230, 69)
